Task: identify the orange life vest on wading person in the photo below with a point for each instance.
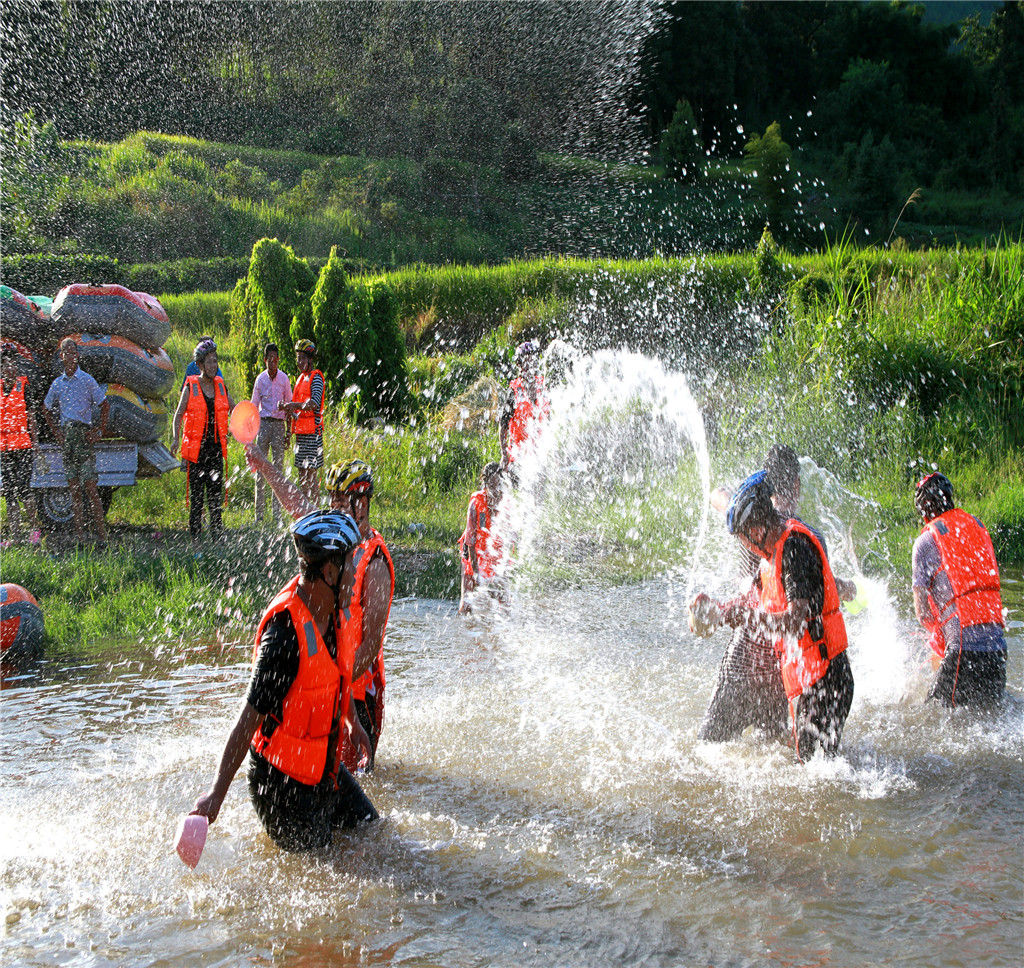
(488, 549)
(969, 561)
(372, 681)
(298, 746)
(194, 423)
(307, 421)
(526, 411)
(14, 417)
(806, 661)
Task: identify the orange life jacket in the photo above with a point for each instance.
(969, 562)
(307, 421)
(14, 417)
(194, 423)
(526, 412)
(488, 548)
(372, 681)
(804, 662)
(352, 625)
(299, 744)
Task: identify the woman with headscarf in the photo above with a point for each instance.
(201, 425)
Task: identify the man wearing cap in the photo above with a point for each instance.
(798, 609)
(306, 411)
(72, 397)
(957, 598)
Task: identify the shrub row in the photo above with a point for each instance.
(46, 274)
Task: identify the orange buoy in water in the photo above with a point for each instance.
(21, 625)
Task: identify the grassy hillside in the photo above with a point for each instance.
(154, 198)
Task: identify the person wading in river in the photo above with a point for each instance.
(526, 406)
(749, 690)
(957, 598)
(479, 546)
(798, 610)
(292, 716)
(364, 623)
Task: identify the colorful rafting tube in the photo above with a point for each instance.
(20, 318)
(115, 359)
(113, 311)
(131, 417)
(21, 625)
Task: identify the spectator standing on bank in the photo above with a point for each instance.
(306, 410)
(18, 440)
(271, 389)
(72, 397)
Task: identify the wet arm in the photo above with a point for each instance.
(376, 602)
(176, 420)
(292, 499)
(249, 720)
(922, 609)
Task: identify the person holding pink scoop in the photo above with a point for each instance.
(290, 720)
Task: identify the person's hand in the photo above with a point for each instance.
(59, 437)
(174, 448)
(208, 806)
(93, 435)
(847, 590)
(360, 743)
(252, 457)
(704, 614)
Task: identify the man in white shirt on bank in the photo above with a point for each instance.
(271, 388)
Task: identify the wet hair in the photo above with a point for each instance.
(310, 569)
(933, 496)
(490, 468)
(270, 348)
(66, 342)
(783, 467)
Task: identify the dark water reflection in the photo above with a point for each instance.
(545, 802)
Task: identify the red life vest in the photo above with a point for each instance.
(307, 421)
(194, 423)
(488, 548)
(969, 562)
(352, 626)
(14, 433)
(526, 413)
(299, 744)
(372, 681)
(804, 662)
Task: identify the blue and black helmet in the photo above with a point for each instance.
(323, 534)
(751, 504)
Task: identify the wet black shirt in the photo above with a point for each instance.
(277, 664)
(803, 576)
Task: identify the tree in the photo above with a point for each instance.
(681, 148)
(768, 163)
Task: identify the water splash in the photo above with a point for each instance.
(615, 484)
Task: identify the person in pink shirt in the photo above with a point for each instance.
(271, 388)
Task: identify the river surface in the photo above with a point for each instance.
(544, 802)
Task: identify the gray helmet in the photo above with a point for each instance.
(324, 534)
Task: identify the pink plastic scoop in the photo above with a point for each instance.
(191, 838)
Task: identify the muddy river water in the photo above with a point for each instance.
(544, 802)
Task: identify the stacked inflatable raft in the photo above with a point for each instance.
(120, 336)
